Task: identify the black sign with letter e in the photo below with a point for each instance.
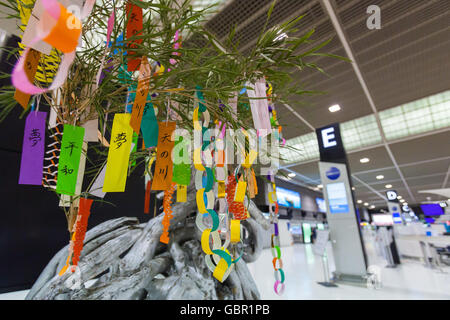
(330, 144)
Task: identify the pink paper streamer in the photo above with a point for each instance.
(19, 78)
(259, 107)
(109, 30)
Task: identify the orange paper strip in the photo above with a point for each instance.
(164, 165)
(134, 28)
(141, 95)
(65, 34)
(31, 64)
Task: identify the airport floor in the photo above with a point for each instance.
(409, 281)
(303, 269)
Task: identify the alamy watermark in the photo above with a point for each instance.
(374, 20)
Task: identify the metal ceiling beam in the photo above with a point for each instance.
(444, 184)
(300, 117)
(369, 187)
(338, 27)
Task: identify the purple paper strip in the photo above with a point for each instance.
(33, 149)
(276, 228)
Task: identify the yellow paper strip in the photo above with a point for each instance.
(200, 201)
(249, 159)
(240, 191)
(221, 189)
(235, 231)
(119, 154)
(181, 193)
(220, 270)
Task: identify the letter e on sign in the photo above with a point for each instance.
(328, 137)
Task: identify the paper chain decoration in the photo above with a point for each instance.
(275, 241)
(221, 263)
(167, 205)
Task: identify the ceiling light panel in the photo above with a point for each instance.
(360, 132)
(424, 115)
(306, 145)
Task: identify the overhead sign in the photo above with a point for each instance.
(391, 195)
(331, 147)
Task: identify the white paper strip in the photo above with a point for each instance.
(233, 104)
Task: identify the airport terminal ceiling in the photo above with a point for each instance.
(403, 62)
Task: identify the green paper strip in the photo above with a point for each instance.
(149, 126)
(69, 159)
(135, 141)
(209, 179)
(215, 219)
(182, 171)
(224, 255)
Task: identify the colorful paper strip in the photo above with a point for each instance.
(118, 154)
(141, 95)
(31, 165)
(69, 159)
(164, 165)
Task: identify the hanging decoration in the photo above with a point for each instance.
(31, 164)
(118, 154)
(134, 29)
(162, 178)
(167, 205)
(51, 157)
(69, 159)
(76, 243)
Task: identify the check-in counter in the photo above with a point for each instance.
(408, 239)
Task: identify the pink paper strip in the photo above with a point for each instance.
(259, 107)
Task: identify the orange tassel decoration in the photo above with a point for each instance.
(84, 210)
(167, 206)
(236, 208)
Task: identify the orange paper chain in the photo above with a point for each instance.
(167, 206)
(236, 208)
(80, 230)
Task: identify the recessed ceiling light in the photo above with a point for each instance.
(359, 201)
(379, 177)
(364, 160)
(388, 186)
(353, 188)
(291, 174)
(334, 108)
(402, 200)
(319, 186)
(399, 197)
(372, 207)
(366, 204)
